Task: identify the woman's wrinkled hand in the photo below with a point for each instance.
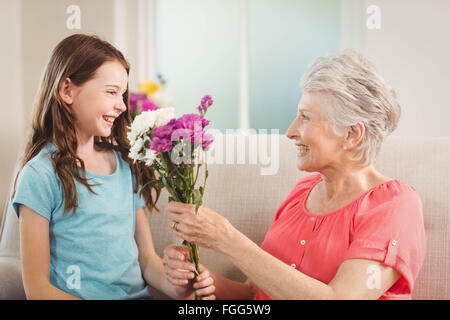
(180, 273)
(207, 228)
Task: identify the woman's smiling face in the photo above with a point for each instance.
(99, 101)
(318, 146)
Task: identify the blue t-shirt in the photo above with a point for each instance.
(93, 254)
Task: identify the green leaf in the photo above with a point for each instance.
(164, 181)
(196, 196)
(169, 188)
(179, 183)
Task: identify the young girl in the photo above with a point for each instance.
(84, 232)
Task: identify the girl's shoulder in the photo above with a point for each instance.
(42, 162)
(39, 171)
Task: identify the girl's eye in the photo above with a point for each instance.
(304, 117)
(112, 92)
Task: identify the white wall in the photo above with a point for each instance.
(12, 116)
(30, 31)
(412, 51)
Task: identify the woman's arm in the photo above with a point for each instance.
(277, 279)
(35, 256)
(153, 268)
(280, 281)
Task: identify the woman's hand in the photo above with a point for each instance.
(207, 228)
(179, 273)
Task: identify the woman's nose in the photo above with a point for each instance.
(293, 132)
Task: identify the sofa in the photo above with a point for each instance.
(249, 193)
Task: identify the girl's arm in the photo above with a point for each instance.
(35, 255)
(177, 268)
(152, 266)
(227, 289)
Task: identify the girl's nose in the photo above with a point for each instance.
(121, 106)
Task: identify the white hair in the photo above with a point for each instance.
(354, 91)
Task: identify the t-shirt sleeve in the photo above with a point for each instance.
(392, 233)
(139, 201)
(36, 188)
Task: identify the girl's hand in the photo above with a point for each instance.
(180, 271)
(207, 228)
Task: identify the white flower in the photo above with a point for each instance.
(162, 100)
(149, 157)
(142, 123)
(163, 116)
(131, 135)
(136, 148)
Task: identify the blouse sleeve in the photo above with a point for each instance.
(392, 232)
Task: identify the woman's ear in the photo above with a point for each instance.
(355, 135)
(66, 91)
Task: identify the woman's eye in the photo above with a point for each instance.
(112, 92)
(304, 117)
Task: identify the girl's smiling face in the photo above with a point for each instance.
(99, 101)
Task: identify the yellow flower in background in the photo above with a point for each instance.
(149, 87)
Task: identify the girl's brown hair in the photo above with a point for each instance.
(78, 57)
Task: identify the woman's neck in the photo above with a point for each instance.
(341, 182)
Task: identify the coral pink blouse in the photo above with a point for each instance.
(384, 224)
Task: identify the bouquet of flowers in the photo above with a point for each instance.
(151, 96)
(173, 148)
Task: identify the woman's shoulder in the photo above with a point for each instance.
(392, 190)
(392, 198)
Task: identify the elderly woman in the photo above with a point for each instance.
(344, 232)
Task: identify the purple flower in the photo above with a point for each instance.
(162, 136)
(205, 103)
(148, 105)
(134, 99)
(160, 145)
(188, 127)
(194, 124)
(190, 120)
(207, 139)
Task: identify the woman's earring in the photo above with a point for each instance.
(345, 147)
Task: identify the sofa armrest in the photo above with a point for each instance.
(11, 286)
